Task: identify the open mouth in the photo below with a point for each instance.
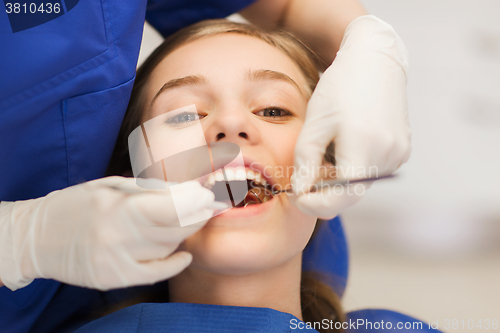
(257, 189)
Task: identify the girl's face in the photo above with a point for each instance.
(249, 93)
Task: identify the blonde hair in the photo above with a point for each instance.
(317, 299)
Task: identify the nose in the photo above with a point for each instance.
(233, 124)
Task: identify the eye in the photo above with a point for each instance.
(274, 112)
(183, 118)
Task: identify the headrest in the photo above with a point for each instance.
(328, 255)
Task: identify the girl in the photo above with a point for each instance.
(250, 87)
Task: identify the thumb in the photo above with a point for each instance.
(329, 202)
(310, 149)
(320, 128)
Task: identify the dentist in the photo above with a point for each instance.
(64, 88)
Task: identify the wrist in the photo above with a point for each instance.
(16, 269)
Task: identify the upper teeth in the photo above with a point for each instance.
(234, 173)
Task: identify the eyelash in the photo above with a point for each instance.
(273, 108)
(176, 120)
(172, 121)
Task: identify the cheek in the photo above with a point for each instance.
(299, 228)
(281, 140)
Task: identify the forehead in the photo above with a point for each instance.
(223, 59)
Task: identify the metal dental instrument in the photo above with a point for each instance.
(332, 182)
(324, 183)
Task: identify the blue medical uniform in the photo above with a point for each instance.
(64, 87)
(195, 318)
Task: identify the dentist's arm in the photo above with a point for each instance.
(360, 101)
(320, 23)
(98, 235)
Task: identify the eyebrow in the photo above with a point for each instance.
(267, 74)
(190, 80)
(253, 75)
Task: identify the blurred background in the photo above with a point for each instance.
(428, 243)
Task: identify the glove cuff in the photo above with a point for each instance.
(14, 243)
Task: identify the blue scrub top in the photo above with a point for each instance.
(64, 88)
(195, 318)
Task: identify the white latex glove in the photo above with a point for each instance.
(359, 103)
(94, 236)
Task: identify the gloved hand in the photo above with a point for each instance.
(92, 235)
(359, 103)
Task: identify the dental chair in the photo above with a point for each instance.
(327, 253)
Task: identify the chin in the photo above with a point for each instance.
(233, 254)
(252, 239)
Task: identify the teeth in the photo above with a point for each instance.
(211, 179)
(229, 173)
(258, 178)
(237, 173)
(240, 174)
(219, 177)
(250, 175)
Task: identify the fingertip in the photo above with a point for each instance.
(169, 267)
(183, 257)
(188, 257)
(189, 185)
(180, 260)
(326, 204)
(194, 189)
(209, 195)
(196, 220)
(302, 203)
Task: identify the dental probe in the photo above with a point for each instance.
(332, 182)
